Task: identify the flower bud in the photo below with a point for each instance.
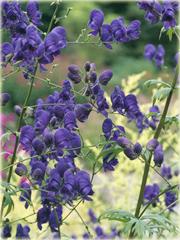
(152, 144)
(74, 77)
(137, 148)
(105, 77)
(87, 66)
(17, 110)
(73, 69)
(130, 153)
(124, 142)
(5, 97)
(158, 155)
(21, 169)
(93, 76)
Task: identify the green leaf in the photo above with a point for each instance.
(151, 82)
(161, 32)
(140, 228)
(161, 94)
(170, 33)
(117, 215)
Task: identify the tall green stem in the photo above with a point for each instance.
(148, 161)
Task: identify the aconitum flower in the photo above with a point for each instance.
(155, 54)
(25, 193)
(158, 155)
(170, 200)
(21, 169)
(26, 137)
(92, 216)
(55, 218)
(43, 216)
(150, 192)
(5, 97)
(106, 35)
(107, 127)
(105, 77)
(95, 21)
(82, 111)
(33, 12)
(152, 144)
(7, 51)
(74, 73)
(22, 232)
(152, 123)
(6, 232)
(166, 172)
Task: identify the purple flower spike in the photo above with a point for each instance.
(105, 77)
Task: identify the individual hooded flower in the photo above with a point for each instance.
(109, 160)
(83, 184)
(133, 30)
(118, 29)
(86, 236)
(152, 144)
(5, 97)
(154, 110)
(124, 142)
(105, 77)
(99, 232)
(92, 216)
(150, 192)
(118, 100)
(42, 119)
(43, 216)
(70, 120)
(130, 153)
(25, 193)
(38, 145)
(101, 102)
(38, 169)
(168, 14)
(107, 127)
(33, 12)
(69, 181)
(7, 51)
(95, 21)
(55, 218)
(21, 169)
(137, 148)
(106, 35)
(170, 200)
(149, 51)
(166, 172)
(74, 73)
(6, 232)
(82, 111)
(27, 135)
(158, 155)
(159, 56)
(48, 137)
(22, 232)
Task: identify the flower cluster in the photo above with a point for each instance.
(164, 12)
(21, 232)
(155, 54)
(117, 31)
(97, 229)
(151, 193)
(53, 143)
(27, 47)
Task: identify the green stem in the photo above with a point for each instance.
(17, 136)
(53, 18)
(148, 161)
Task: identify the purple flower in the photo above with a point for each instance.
(109, 160)
(70, 121)
(7, 51)
(130, 153)
(33, 12)
(118, 100)
(137, 148)
(6, 232)
(102, 103)
(158, 155)
(42, 119)
(74, 68)
(38, 145)
(95, 21)
(152, 144)
(26, 137)
(124, 142)
(118, 29)
(5, 97)
(38, 169)
(74, 73)
(154, 109)
(166, 172)
(92, 216)
(55, 218)
(105, 77)
(106, 35)
(99, 232)
(133, 30)
(149, 51)
(82, 111)
(159, 57)
(43, 216)
(21, 169)
(107, 127)
(150, 192)
(170, 200)
(18, 110)
(22, 232)
(25, 193)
